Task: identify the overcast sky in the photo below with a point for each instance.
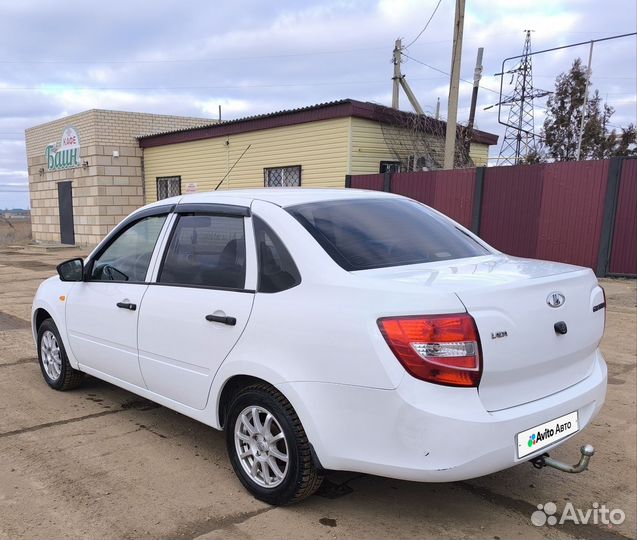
(251, 57)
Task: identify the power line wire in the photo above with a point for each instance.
(259, 57)
(202, 60)
(447, 74)
(233, 58)
(426, 25)
(185, 60)
(61, 87)
(596, 78)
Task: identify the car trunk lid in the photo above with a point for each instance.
(524, 357)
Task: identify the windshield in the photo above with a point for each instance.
(360, 234)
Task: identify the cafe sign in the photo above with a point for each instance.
(64, 154)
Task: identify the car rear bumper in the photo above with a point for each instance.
(425, 432)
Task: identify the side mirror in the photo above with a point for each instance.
(71, 270)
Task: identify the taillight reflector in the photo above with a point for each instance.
(442, 349)
(605, 305)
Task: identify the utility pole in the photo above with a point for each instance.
(452, 106)
(583, 122)
(397, 76)
(399, 80)
(477, 75)
(438, 109)
(411, 96)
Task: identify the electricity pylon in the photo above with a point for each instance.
(519, 137)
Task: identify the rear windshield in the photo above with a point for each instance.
(360, 234)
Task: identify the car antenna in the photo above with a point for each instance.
(233, 165)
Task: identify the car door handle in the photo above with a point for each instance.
(127, 305)
(230, 321)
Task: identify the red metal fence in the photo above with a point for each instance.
(450, 192)
(370, 181)
(623, 257)
(581, 213)
(571, 212)
(510, 212)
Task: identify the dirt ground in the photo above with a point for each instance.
(99, 462)
(14, 231)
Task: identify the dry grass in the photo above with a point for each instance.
(17, 232)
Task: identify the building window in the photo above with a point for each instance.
(168, 186)
(389, 166)
(282, 176)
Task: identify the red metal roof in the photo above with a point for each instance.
(322, 111)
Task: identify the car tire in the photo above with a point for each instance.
(268, 447)
(54, 363)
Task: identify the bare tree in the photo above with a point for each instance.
(418, 141)
(7, 221)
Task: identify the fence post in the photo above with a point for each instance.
(608, 219)
(387, 181)
(477, 200)
(348, 180)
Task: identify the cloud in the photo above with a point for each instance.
(255, 57)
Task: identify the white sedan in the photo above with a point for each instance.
(331, 330)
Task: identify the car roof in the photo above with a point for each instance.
(279, 196)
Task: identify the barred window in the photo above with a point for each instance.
(168, 186)
(389, 166)
(282, 176)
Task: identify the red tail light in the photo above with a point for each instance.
(442, 349)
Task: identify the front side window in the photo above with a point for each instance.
(128, 256)
(361, 234)
(168, 186)
(206, 251)
(282, 176)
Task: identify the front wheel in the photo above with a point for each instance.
(54, 363)
(268, 447)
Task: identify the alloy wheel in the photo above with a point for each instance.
(261, 446)
(51, 355)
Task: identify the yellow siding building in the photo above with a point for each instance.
(312, 147)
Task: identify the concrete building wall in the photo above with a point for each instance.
(106, 187)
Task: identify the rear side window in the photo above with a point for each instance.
(361, 234)
(206, 251)
(277, 271)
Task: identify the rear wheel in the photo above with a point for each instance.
(54, 363)
(268, 447)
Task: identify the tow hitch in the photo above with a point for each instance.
(545, 460)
